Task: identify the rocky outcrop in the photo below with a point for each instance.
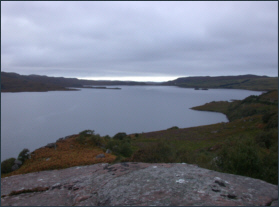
(135, 184)
(16, 165)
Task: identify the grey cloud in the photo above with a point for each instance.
(139, 38)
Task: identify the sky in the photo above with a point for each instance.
(141, 41)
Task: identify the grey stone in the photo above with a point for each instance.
(56, 185)
(215, 188)
(15, 167)
(220, 183)
(100, 156)
(108, 151)
(18, 162)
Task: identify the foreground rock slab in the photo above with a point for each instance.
(140, 184)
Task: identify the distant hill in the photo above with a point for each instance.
(13, 82)
(249, 82)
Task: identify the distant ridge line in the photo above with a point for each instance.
(14, 82)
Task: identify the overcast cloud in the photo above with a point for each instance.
(137, 39)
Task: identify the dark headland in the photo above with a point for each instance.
(13, 82)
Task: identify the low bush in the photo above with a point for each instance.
(125, 149)
(81, 139)
(242, 157)
(272, 122)
(270, 170)
(120, 136)
(265, 139)
(97, 140)
(120, 147)
(6, 165)
(174, 127)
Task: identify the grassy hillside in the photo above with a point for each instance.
(247, 145)
(68, 153)
(13, 82)
(248, 82)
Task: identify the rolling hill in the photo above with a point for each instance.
(248, 82)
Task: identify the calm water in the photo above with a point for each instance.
(34, 119)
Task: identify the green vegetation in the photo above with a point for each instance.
(23, 155)
(247, 145)
(248, 82)
(265, 105)
(120, 145)
(254, 152)
(6, 165)
(244, 156)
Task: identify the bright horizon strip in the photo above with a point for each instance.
(133, 78)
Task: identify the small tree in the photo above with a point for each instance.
(23, 155)
(87, 132)
(120, 136)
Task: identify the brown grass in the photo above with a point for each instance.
(68, 153)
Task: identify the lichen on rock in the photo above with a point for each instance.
(131, 183)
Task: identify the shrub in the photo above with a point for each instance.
(270, 172)
(23, 155)
(272, 122)
(96, 139)
(111, 144)
(120, 136)
(265, 139)
(6, 165)
(267, 116)
(83, 134)
(118, 147)
(240, 157)
(125, 149)
(87, 132)
(81, 139)
(174, 127)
